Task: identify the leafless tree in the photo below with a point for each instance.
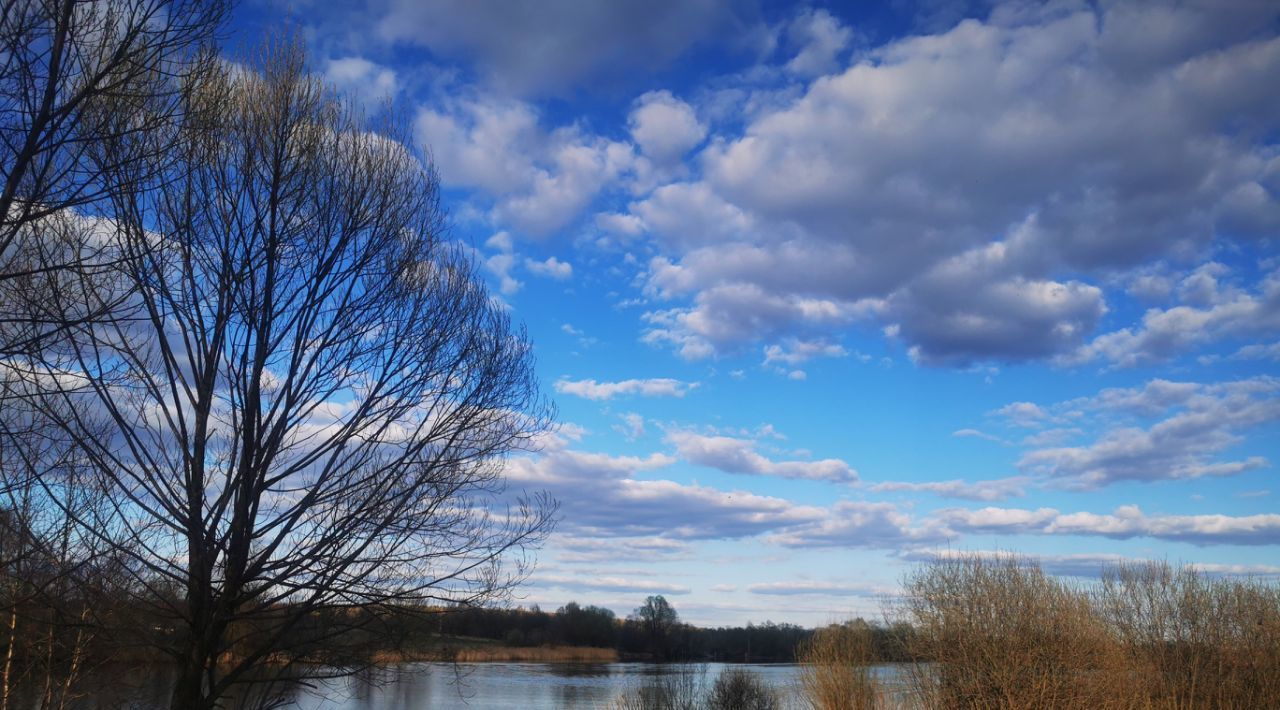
(299, 411)
(73, 75)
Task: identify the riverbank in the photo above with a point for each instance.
(483, 653)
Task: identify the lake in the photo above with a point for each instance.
(527, 686)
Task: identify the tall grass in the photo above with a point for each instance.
(997, 632)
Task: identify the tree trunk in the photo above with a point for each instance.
(188, 692)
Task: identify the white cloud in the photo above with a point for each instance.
(500, 265)
(794, 352)
(665, 127)
(600, 496)
(976, 434)
(821, 38)
(1125, 522)
(1269, 351)
(593, 550)
(1165, 333)
(734, 455)
(551, 268)
(858, 524)
(368, 81)
(606, 584)
(655, 387)
(992, 490)
(540, 180)
(1025, 414)
(979, 184)
(819, 588)
(1199, 422)
(1091, 564)
(632, 426)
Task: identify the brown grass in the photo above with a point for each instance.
(495, 653)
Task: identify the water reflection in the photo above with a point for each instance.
(527, 686)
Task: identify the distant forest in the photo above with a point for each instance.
(653, 632)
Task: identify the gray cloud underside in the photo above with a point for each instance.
(553, 45)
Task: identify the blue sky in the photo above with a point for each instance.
(821, 292)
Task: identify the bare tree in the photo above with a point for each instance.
(73, 75)
(301, 410)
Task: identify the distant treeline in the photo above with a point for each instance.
(636, 637)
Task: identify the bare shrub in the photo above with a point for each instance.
(1194, 641)
(740, 689)
(683, 688)
(996, 632)
(836, 673)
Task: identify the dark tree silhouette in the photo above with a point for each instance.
(659, 621)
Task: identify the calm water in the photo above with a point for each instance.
(525, 686)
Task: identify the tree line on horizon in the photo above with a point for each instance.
(653, 631)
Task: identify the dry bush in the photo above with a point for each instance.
(836, 672)
(1192, 641)
(996, 632)
(739, 689)
(683, 688)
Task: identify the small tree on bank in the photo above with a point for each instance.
(299, 412)
(658, 622)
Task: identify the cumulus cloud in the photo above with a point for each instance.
(1125, 522)
(551, 268)
(734, 455)
(860, 524)
(503, 263)
(665, 127)
(1025, 414)
(979, 183)
(365, 79)
(655, 387)
(1199, 422)
(971, 308)
(884, 525)
(821, 39)
(1165, 333)
(539, 180)
(795, 352)
(1270, 351)
(601, 496)
(632, 426)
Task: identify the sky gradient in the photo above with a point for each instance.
(823, 292)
